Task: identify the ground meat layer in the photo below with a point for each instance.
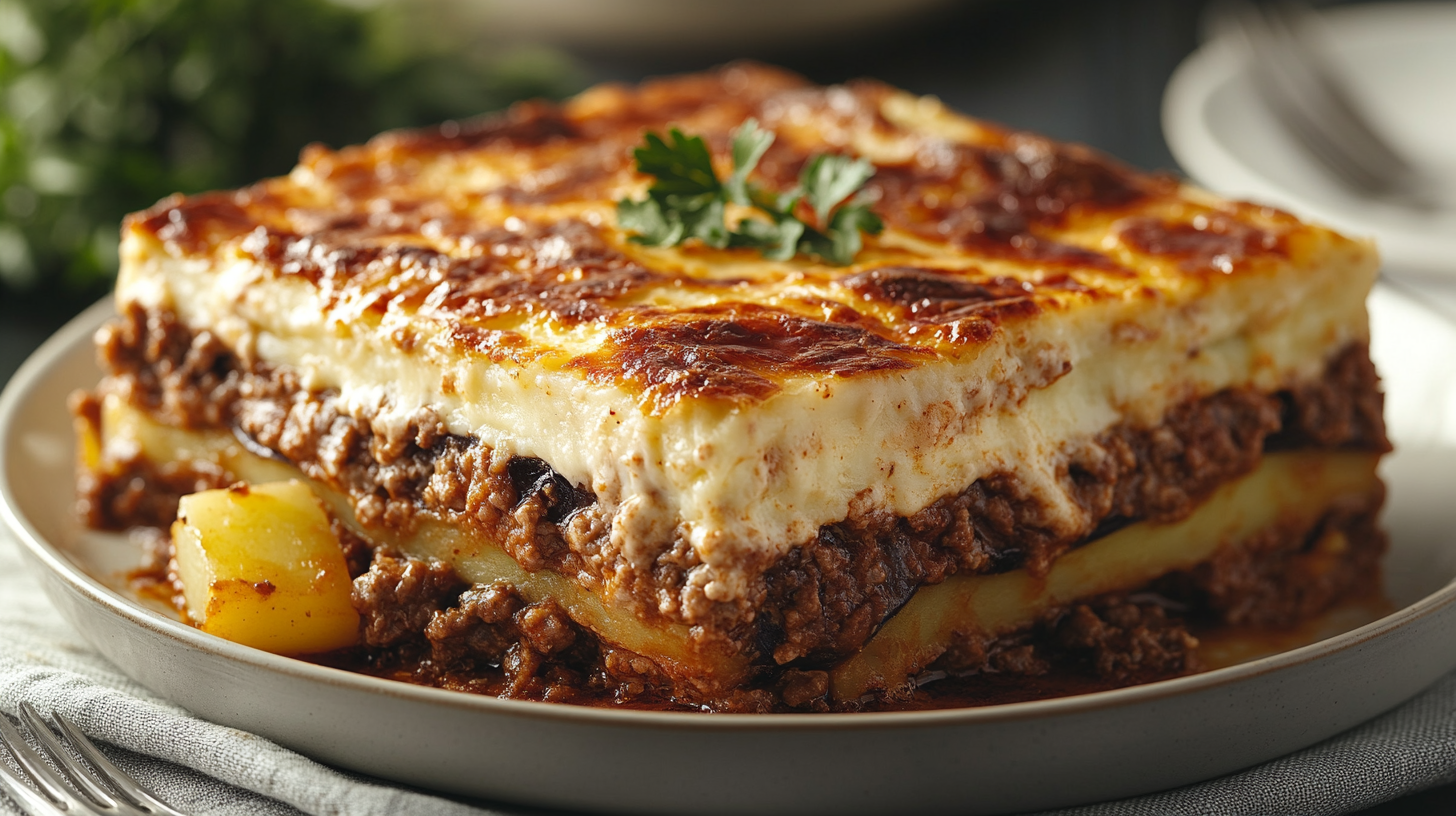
(823, 599)
(423, 625)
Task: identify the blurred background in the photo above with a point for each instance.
(108, 105)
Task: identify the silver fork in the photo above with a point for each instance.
(1311, 100)
(103, 787)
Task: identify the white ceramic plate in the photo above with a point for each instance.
(988, 760)
(1400, 59)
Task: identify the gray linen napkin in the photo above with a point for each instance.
(204, 768)
(194, 765)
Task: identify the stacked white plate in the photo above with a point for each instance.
(1400, 63)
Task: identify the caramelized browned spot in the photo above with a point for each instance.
(496, 344)
(995, 200)
(936, 298)
(565, 269)
(718, 101)
(1215, 243)
(734, 354)
(529, 124)
(196, 224)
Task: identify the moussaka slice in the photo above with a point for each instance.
(1053, 417)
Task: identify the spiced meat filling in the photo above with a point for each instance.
(423, 625)
(823, 599)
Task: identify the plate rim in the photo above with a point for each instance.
(1212, 66)
(34, 372)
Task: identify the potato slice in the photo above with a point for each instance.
(1293, 487)
(260, 566)
(474, 558)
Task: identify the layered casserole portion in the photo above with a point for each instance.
(1056, 416)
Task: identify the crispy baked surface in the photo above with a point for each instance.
(503, 231)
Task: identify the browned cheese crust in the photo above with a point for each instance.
(373, 233)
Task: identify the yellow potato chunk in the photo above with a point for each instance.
(260, 566)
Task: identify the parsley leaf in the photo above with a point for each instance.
(777, 240)
(828, 180)
(683, 168)
(750, 142)
(686, 200)
(841, 241)
(646, 219)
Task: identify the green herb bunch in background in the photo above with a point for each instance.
(108, 105)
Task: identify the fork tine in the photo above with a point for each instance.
(49, 783)
(1310, 99)
(78, 775)
(1298, 93)
(1300, 32)
(30, 801)
(114, 776)
(1345, 119)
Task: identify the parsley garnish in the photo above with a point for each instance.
(686, 200)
